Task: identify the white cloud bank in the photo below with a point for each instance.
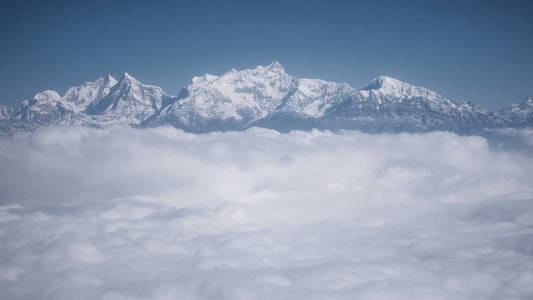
(162, 214)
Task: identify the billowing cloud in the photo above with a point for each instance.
(162, 214)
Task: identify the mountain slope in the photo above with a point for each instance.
(231, 101)
(44, 109)
(99, 103)
(80, 97)
(264, 96)
(128, 101)
(253, 97)
(387, 104)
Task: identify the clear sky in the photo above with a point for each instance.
(468, 50)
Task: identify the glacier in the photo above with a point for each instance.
(265, 96)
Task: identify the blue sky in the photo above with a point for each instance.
(468, 50)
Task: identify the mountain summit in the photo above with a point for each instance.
(264, 96)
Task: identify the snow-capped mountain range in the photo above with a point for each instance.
(266, 97)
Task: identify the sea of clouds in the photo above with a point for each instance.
(162, 214)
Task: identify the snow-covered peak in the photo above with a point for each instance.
(245, 87)
(517, 114)
(274, 66)
(384, 82)
(127, 87)
(47, 97)
(261, 96)
(525, 107)
(385, 86)
(259, 75)
(131, 84)
(128, 101)
(128, 79)
(45, 108)
(197, 80)
(107, 81)
(82, 96)
(235, 96)
(272, 70)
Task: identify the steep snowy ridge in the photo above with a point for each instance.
(128, 101)
(84, 95)
(264, 96)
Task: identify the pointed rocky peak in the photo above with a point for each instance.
(109, 78)
(127, 84)
(129, 100)
(128, 80)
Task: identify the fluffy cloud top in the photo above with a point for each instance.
(162, 214)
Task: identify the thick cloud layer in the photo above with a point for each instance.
(162, 214)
